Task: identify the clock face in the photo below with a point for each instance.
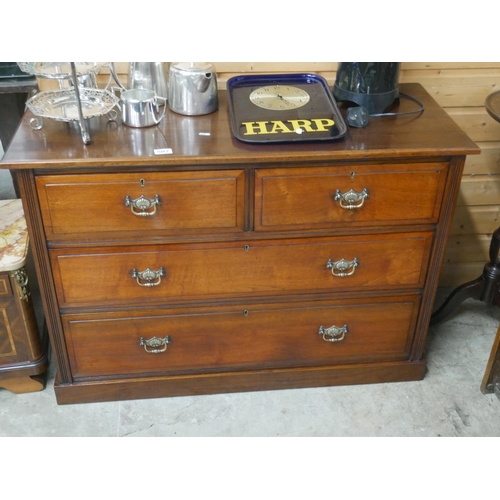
(279, 97)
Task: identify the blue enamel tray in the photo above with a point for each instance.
(318, 119)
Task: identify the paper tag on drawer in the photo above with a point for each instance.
(163, 151)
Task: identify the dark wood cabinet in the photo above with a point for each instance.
(227, 266)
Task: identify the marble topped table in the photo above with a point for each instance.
(13, 235)
(23, 352)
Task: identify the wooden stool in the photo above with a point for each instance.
(23, 353)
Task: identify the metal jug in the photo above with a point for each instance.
(193, 88)
(140, 108)
(144, 75)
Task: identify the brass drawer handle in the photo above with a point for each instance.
(333, 334)
(352, 199)
(155, 345)
(148, 277)
(146, 206)
(340, 268)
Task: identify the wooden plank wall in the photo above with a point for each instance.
(461, 89)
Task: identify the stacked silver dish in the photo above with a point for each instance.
(77, 98)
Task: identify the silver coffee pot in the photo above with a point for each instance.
(144, 75)
(192, 88)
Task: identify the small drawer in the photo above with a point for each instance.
(357, 196)
(152, 204)
(180, 272)
(240, 338)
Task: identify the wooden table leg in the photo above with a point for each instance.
(491, 380)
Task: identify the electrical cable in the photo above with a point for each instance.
(411, 98)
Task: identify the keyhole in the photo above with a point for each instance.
(245, 312)
(353, 174)
(142, 182)
(247, 247)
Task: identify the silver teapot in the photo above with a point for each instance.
(192, 88)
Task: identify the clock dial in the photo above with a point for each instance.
(279, 97)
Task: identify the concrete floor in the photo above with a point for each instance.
(448, 402)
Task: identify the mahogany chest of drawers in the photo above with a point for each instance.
(227, 266)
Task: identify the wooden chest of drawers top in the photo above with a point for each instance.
(57, 145)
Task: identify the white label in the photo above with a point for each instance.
(163, 151)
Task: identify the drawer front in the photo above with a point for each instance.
(260, 337)
(106, 276)
(308, 198)
(172, 202)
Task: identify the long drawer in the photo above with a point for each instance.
(328, 197)
(107, 205)
(260, 337)
(132, 275)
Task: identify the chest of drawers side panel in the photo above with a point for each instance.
(443, 227)
(34, 221)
